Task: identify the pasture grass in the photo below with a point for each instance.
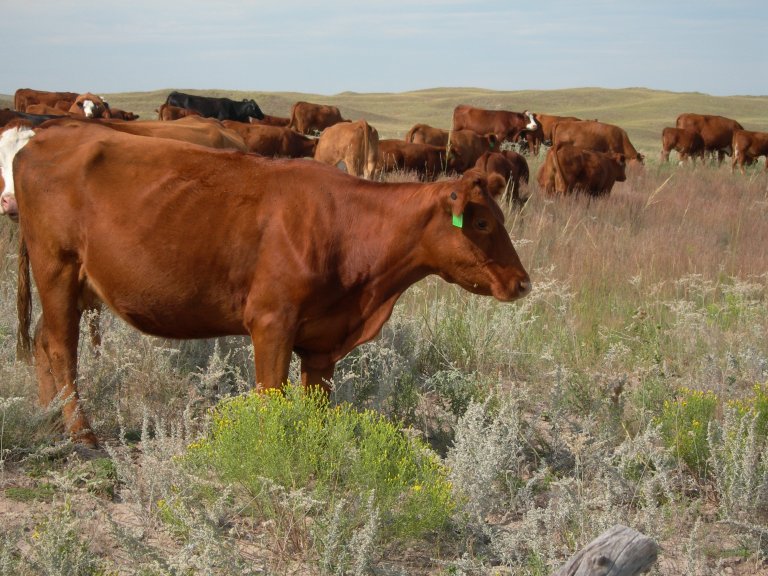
(555, 417)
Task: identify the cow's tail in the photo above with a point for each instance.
(24, 304)
(410, 134)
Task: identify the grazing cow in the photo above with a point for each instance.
(687, 143)
(716, 131)
(194, 129)
(308, 118)
(353, 145)
(299, 256)
(272, 120)
(426, 134)
(89, 106)
(568, 169)
(546, 122)
(509, 165)
(273, 140)
(597, 136)
(426, 160)
(505, 125)
(466, 146)
(167, 112)
(26, 96)
(45, 110)
(219, 108)
(748, 146)
(117, 114)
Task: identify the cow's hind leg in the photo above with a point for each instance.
(56, 343)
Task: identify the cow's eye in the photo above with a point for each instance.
(482, 224)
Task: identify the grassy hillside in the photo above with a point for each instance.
(642, 112)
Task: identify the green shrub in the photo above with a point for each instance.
(297, 441)
(684, 422)
(755, 406)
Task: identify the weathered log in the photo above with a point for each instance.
(619, 551)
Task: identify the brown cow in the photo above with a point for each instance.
(687, 143)
(45, 110)
(355, 145)
(426, 160)
(568, 169)
(194, 129)
(716, 131)
(504, 124)
(748, 146)
(271, 120)
(26, 96)
(89, 105)
(509, 165)
(118, 114)
(308, 118)
(273, 140)
(546, 122)
(309, 260)
(167, 112)
(597, 136)
(426, 134)
(466, 146)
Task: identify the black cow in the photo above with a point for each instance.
(31, 120)
(220, 108)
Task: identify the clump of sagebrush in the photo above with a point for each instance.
(297, 441)
(169, 499)
(738, 447)
(57, 546)
(538, 490)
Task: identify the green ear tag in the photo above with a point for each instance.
(458, 221)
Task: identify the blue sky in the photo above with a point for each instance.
(326, 47)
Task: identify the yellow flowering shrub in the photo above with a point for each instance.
(684, 422)
(296, 440)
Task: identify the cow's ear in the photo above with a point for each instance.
(496, 184)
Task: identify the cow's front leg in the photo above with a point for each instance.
(272, 335)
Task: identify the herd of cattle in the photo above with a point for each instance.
(583, 155)
(185, 238)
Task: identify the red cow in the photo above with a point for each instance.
(509, 165)
(597, 136)
(308, 118)
(271, 120)
(89, 106)
(716, 131)
(568, 169)
(687, 143)
(748, 146)
(426, 160)
(426, 134)
(466, 146)
(26, 96)
(167, 112)
(298, 255)
(546, 122)
(504, 124)
(355, 145)
(273, 140)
